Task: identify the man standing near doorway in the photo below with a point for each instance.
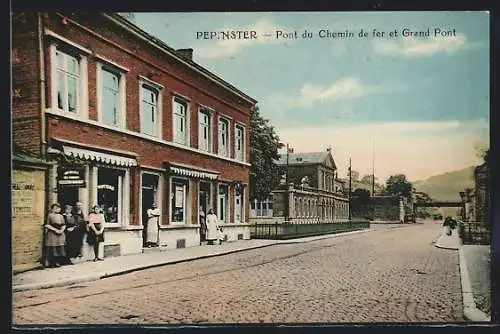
(153, 226)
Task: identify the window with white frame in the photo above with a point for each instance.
(238, 203)
(204, 130)
(110, 193)
(223, 137)
(240, 143)
(112, 95)
(150, 110)
(178, 196)
(68, 79)
(180, 121)
(222, 203)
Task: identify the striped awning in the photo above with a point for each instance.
(193, 173)
(112, 159)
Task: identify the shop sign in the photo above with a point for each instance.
(71, 176)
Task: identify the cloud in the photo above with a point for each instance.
(265, 29)
(411, 47)
(310, 94)
(416, 149)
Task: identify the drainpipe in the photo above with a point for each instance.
(43, 129)
(41, 74)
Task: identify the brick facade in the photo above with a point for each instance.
(97, 40)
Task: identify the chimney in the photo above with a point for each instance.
(185, 53)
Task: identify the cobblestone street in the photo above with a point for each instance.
(386, 275)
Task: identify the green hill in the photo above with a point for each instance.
(446, 187)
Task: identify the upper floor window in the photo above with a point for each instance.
(204, 131)
(68, 79)
(223, 137)
(150, 106)
(110, 97)
(180, 121)
(111, 86)
(240, 143)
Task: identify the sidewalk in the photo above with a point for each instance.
(475, 268)
(92, 271)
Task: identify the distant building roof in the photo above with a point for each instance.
(303, 158)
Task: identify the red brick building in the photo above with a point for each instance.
(129, 122)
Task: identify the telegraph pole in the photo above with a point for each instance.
(349, 195)
(373, 170)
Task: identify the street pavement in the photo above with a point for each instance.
(385, 275)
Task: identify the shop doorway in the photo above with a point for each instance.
(67, 195)
(149, 196)
(222, 203)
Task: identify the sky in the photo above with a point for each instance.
(397, 104)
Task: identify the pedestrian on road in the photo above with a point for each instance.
(153, 226)
(55, 241)
(212, 227)
(96, 230)
(447, 226)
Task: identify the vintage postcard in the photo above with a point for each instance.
(250, 168)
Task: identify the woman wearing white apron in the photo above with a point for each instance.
(153, 222)
(212, 227)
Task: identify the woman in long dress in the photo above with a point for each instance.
(96, 230)
(55, 241)
(71, 234)
(153, 222)
(212, 227)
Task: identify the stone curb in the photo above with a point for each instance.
(95, 277)
(471, 312)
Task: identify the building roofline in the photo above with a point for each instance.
(124, 23)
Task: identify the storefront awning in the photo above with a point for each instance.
(99, 156)
(193, 173)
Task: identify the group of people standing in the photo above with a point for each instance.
(65, 233)
(211, 231)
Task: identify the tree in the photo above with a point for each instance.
(422, 197)
(361, 193)
(481, 149)
(397, 185)
(264, 145)
(354, 175)
(360, 203)
(367, 179)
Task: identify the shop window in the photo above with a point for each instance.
(109, 193)
(178, 201)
